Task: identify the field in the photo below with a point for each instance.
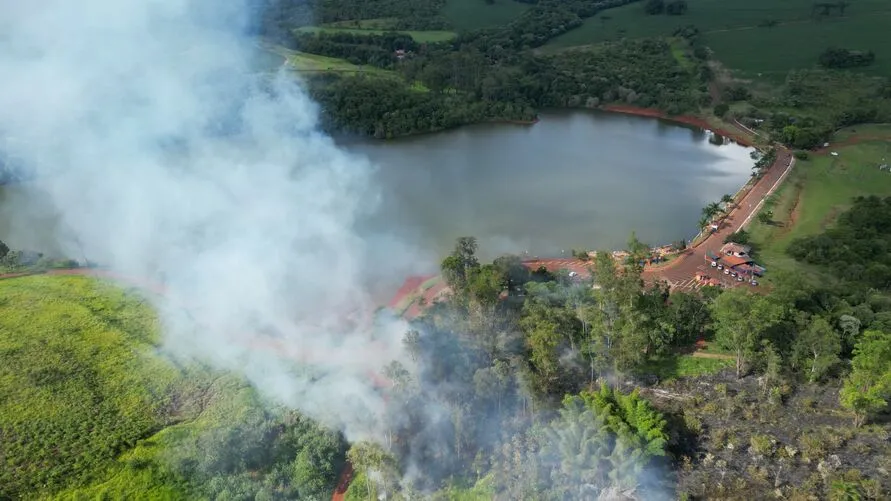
(418, 36)
(303, 62)
(818, 190)
(78, 384)
(734, 34)
(89, 410)
(467, 15)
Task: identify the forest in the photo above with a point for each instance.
(543, 386)
(504, 73)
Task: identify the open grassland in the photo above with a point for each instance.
(816, 192)
(418, 36)
(466, 15)
(734, 31)
(312, 63)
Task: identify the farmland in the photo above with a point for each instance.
(818, 190)
(89, 410)
(467, 15)
(739, 36)
(418, 36)
(303, 62)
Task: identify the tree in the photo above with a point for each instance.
(817, 347)
(867, 389)
(4, 249)
(741, 320)
(457, 267)
(654, 7)
(727, 200)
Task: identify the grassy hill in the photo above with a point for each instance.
(89, 409)
(741, 35)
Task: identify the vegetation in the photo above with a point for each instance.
(816, 193)
(88, 409)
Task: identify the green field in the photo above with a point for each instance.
(89, 410)
(466, 15)
(303, 62)
(816, 192)
(733, 31)
(418, 36)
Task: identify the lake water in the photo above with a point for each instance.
(573, 180)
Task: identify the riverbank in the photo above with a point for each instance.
(691, 120)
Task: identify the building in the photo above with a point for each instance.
(737, 250)
(743, 265)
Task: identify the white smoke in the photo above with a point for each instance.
(168, 158)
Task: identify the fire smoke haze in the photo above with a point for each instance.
(166, 158)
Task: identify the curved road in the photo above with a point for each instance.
(680, 274)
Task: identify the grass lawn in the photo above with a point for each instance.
(466, 15)
(732, 31)
(816, 192)
(418, 36)
(303, 62)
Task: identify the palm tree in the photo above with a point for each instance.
(714, 208)
(727, 200)
(703, 222)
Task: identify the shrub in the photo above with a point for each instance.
(721, 109)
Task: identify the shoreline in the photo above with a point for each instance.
(690, 120)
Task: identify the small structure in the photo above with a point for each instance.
(737, 250)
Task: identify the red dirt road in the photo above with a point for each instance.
(680, 273)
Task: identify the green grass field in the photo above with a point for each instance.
(90, 410)
(78, 382)
(676, 366)
(418, 36)
(732, 31)
(816, 192)
(466, 15)
(303, 62)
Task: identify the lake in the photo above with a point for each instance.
(574, 180)
(579, 179)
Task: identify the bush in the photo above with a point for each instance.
(801, 155)
(721, 109)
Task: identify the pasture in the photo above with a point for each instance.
(737, 31)
(817, 191)
(303, 62)
(468, 15)
(418, 36)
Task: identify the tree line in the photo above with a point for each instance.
(524, 367)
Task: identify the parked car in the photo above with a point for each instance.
(740, 278)
(754, 282)
(714, 263)
(720, 266)
(726, 271)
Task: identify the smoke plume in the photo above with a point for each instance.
(169, 157)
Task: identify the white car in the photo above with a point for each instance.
(714, 263)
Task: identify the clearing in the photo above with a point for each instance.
(467, 15)
(819, 189)
(418, 36)
(738, 32)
